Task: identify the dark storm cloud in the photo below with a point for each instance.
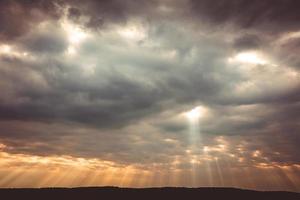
(108, 99)
(268, 15)
(105, 100)
(70, 139)
(104, 12)
(54, 42)
(247, 42)
(288, 52)
(53, 91)
(18, 17)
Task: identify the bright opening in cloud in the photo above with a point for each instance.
(195, 113)
(75, 34)
(249, 57)
(10, 51)
(5, 49)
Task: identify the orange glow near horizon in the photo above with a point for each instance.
(20, 170)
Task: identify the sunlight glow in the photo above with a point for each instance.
(195, 113)
(2, 146)
(8, 50)
(132, 33)
(71, 50)
(5, 49)
(75, 36)
(288, 36)
(67, 171)
(248, 57)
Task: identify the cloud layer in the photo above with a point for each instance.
(115, 80)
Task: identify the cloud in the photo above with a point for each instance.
(18, 17)
(247, 42)
(254, 15)
(112, 80)
(101, 13)
(52, 41)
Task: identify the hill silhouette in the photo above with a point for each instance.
(143, 193)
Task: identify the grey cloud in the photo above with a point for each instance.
(286, 53)
(18, 17)
(269, 16)
(261, 15)
(101, 13)
(174, 67)
(70, 139)
(53, 42)
(96, 99)
(247, 42)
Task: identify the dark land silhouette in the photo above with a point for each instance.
(171, 193)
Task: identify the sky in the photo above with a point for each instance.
(150, 93)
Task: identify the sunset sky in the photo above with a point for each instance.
(150, 93)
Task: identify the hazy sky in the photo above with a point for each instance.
(150, 93)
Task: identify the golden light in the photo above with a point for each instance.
(2, 146)
(206, 149)
(58, 171)
(256, 153)
(9, 50)
(5, 49)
